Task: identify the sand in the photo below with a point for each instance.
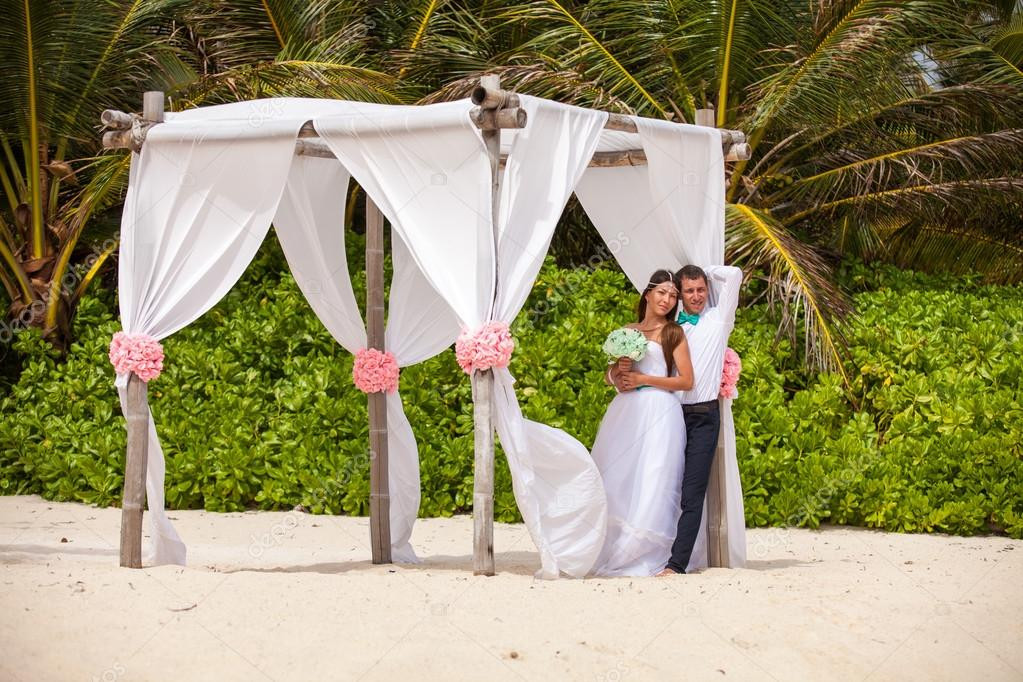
(291, 596)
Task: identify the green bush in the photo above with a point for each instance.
(256, 407)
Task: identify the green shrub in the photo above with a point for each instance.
(256, 407)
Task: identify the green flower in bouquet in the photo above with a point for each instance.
(625, 343)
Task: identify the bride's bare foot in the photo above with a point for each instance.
(666, 572)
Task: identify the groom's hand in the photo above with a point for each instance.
(628, 381)
(616, 377)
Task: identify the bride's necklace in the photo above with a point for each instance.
(655, 329)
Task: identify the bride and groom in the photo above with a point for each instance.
(657, 441)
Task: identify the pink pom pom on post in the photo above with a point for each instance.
(730, 374)
(138, 353)
(375, 371)
(489, 346)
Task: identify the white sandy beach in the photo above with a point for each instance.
(290, 596)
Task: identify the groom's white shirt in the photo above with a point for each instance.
(708, 338)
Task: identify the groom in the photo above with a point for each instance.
(707, 328)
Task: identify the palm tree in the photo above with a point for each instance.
(236, 49)
(66, 62)
(886, 129)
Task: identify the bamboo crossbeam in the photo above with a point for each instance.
(116, 120)
(129, 132)
(626, 125)
(496, 119)
(628, 157)
(489, 98)
(122, 139)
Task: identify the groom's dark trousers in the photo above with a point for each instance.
(703, 421)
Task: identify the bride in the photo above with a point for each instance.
(640, 445)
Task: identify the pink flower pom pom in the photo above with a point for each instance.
(138, 353)
(730, 374)
(489, 346)
(375, 371)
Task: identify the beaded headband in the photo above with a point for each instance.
(670, 281)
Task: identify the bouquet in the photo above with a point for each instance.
(730, 374)
(625, 343)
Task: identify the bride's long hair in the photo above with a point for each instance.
(671, 334)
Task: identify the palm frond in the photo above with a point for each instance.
(973, 60)
(86, 57)
(721, 47)
(583, 48)
(228, 34)
(422, 22)
(799, 282)
(928, 115)
(855, 58)
(108, 181)
(1007, 42)
(291, 78)
(959, 249)
(933, 201)
(849, 172)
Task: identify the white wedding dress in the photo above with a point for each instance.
(639, 451)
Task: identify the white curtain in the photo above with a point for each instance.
(209, 181)
(310, 226)
(435, 191)
(427, 171)
(196, 211)
(557, 485)
(664, 215)
(419, 326)
(424, 170)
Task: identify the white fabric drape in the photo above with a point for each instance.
(427, 171)
(427, 184)
(671, 209)
(209, 181)
(419, 326)
(187, 233)
(439, 185)
(310, 227)
(664, 215)
(557, 485)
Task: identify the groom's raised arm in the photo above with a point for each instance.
(726, 281)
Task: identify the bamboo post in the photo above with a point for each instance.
(379, 495)
(137, 416)
(717, 516)
(483, 382)
(153, 106)
(717, 525)
(134, 501)
(483, 474)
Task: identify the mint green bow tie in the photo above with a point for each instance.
(684, 317)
